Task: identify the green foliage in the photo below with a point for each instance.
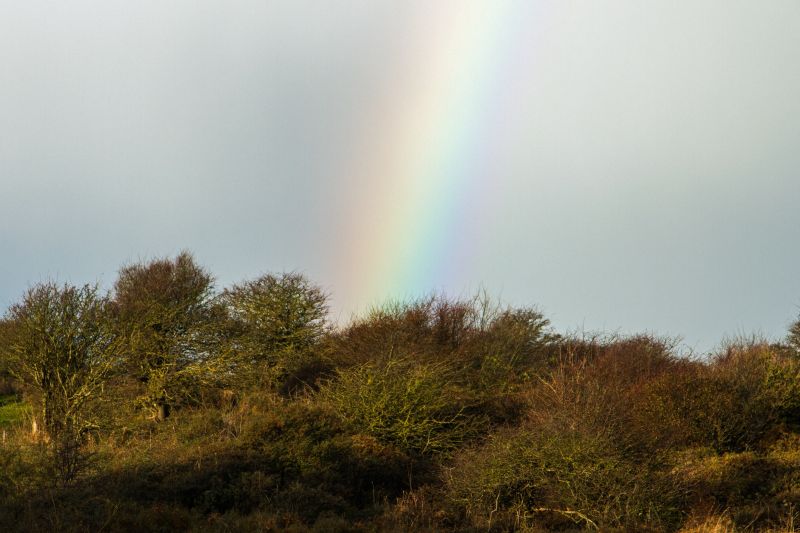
(274, 322)
(418, 407)
(63, 347)
(794, 336)
(164, 312)
(491, 351)
(12, 411)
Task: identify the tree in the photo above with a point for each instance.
(7, 385)
(274, 318)
(794, 336)
(58, 341)
(163, 309)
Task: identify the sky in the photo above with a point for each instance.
(623, 166)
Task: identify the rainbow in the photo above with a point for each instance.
(428, 145)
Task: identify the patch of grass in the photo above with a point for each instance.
(12, 411)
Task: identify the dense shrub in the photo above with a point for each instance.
(600, 385)
(306, 444)
(558, 477)
(427, 328)
(439, 328)
(731, 404)
(512, 348)
(419, 407)
(490, 351)
(12, 471)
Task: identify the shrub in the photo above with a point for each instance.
(510, 350)
(554, 476)
(419, 407)
(491, 351)
(436, 326)
(13, 471)
(745, 394)
(427, 328)
(598, 385)
(309, 463)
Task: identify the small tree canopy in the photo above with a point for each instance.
(273, 316)
(794, 335)
(163, 309)
(59, 342)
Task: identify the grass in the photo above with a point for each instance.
(12, 411)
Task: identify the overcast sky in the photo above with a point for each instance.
(645, 174)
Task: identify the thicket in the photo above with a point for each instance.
(169, 405)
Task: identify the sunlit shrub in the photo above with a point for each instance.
(490, 351)
(416, 406)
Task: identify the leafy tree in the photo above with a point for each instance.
(59, 342)
(164, 310)
(274, 318)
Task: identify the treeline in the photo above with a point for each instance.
(168, 405)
